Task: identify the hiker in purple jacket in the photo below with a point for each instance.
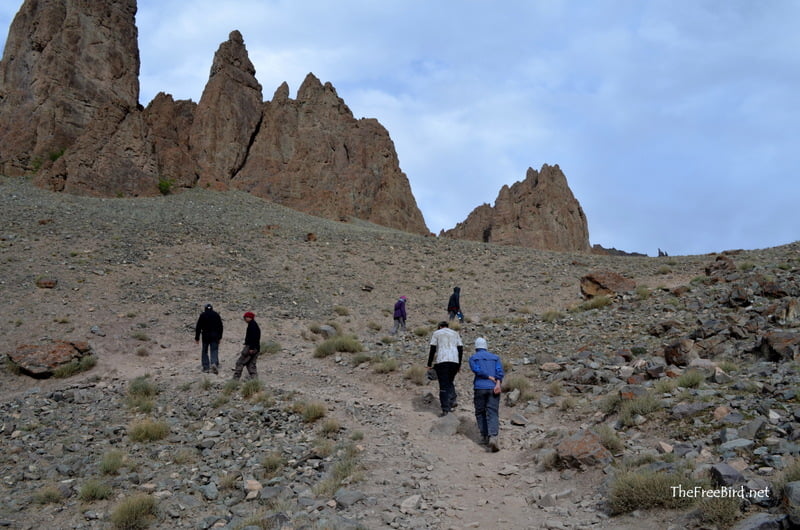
(399, 315)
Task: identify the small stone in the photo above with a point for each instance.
(736, 444)
(721, 411)
(551, 367)
(410, 504)
(46, 283)
(664, 448)
(252, 485)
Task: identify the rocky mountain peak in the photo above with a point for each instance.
(69, 115)
(232, 59)
(227, 115)
(538, 212)
(281, 93)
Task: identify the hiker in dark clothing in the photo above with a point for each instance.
(454, 305)
(399, 315)
(209, 326)
(252, 346)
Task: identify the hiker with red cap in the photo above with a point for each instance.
(252, 346)
(399, 315)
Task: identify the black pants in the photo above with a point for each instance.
(446, 374)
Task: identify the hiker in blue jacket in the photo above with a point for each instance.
(488, 370)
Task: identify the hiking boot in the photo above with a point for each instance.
(444, 413)
(214, 369)
(484, 440)
(493, 444)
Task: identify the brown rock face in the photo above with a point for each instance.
(227, 116)
(310, 154)
(63, 62)
(169, 126)
(540, 212)
(113, 157)
(69, 113)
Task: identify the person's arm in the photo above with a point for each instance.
(431, 353)
(460, 353)
(498, 370)
(197, 329)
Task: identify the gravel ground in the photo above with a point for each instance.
(132, 275)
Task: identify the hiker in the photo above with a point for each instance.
(448, 349)
(209, 326)
(252, 345)
(399, 315)
(488, 372)
(454, 305)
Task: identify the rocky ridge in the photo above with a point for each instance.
(130, 276)
(88, 135)
(82, 130)
(538, 212)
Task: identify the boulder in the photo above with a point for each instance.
(762, 521)
(720, 268)
(680, 353)
(583, 448)
(41, 360)
(723, 474)
(780, 345)
(606, 283)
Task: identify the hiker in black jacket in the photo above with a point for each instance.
(454, 305)
(252, 346)
(209, 326)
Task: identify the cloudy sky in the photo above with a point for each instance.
(676, 122)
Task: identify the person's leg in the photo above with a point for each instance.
(252, 370)
(493, 413)
(395, 326)
(447, 384)
(453, 394)
(214, 346)
(493, 421)
(445, 377)
(204, 356)
(402, 324)
(479, 399)
(243, 359)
